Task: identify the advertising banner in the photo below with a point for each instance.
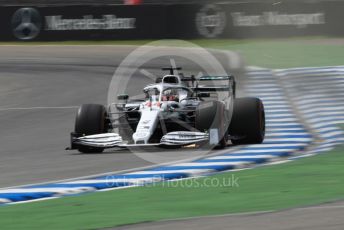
(239, 20)
(81, 22)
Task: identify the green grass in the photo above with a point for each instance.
(272, 53)
(285, 53)
(304, 182)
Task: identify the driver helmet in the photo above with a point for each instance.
(170, 95)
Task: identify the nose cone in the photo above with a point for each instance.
(146, 126)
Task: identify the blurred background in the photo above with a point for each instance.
(153, 19)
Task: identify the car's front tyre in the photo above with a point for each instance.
(90, 119)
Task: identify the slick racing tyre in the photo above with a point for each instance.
(248, 121)
(90, 119)
(211, 115)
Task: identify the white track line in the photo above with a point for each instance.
(175, 171)
(115, 180)
(53, 190)
(265, 151)
(240, 157)
(212, 163)
(36, 108)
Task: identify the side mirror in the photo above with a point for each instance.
(203, 94)
(123, 97)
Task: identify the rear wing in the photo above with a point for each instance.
(214, 84)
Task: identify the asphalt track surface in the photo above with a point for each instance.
(326, 216)
(40, 89)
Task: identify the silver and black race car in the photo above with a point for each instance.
(176, 111)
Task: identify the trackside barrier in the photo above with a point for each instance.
(236, 20)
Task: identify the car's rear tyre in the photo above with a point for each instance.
(248, 121)
(211, 115)
(90, 119)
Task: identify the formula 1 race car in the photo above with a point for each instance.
(176, 111)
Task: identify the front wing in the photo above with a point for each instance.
(113, 140)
